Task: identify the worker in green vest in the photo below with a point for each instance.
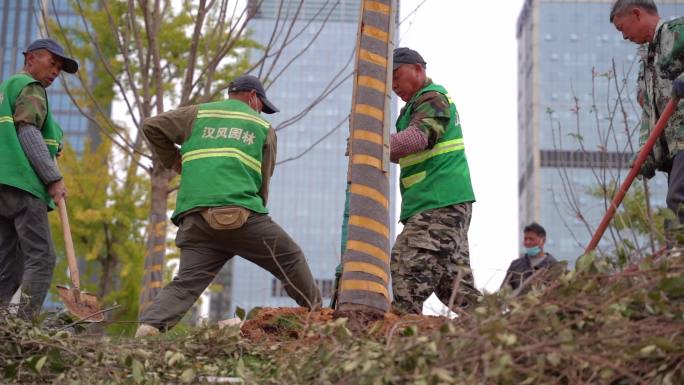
(30, 182)
(226, 159)
(431, 253)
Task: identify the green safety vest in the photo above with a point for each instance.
(222, 159)
(15, 169)
(437, 177)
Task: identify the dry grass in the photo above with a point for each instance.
(589, 326)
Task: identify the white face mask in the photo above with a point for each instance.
(532, 251)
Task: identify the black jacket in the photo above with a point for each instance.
(521, 269)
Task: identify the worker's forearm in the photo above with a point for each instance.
(407, 142)
(37, 153)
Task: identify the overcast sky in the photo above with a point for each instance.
(471, 49)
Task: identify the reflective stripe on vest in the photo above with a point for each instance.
(52, 143)
(229, 152)
(48, 142)
(440, 148)
(232, 115)
(413, 179)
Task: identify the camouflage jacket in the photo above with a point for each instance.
(662, 62)
(30, 106)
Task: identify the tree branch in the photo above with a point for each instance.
(314, 144)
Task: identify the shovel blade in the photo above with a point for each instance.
(81, 304)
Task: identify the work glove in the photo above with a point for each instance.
(647, 169)
(678, 88)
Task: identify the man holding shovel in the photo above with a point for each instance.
(661, 77)
(30, 182)
(226, 159)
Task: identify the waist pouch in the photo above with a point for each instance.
(225, 218)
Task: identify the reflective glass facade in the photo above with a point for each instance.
(307, 194)
(20, 24)
(569, 59)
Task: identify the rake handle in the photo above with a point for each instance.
(69, 244)
(643, 153)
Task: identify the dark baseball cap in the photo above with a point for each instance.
(404, 55)
(248, 83)
(69, 64)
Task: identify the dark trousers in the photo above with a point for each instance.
(675, 187)
(205, 250)
(27, 256)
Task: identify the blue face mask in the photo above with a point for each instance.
(532, 251)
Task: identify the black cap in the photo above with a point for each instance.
(69, 65)
(248, 83)
(406, 55)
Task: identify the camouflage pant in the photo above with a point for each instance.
(428, 256)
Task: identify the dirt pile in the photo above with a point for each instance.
(287, 324)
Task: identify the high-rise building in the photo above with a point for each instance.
(570, 57)
(21, 22)
(307, 192)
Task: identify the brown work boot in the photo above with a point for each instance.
(145, 330)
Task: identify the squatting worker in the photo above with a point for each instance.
(661, 77)
(30, 182)
(534, 257)
(226, 159)
(432, 250)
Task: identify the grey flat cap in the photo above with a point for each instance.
(404, 55)
(248, 83)
(53, 47)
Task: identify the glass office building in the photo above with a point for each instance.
(21, 23)
(570, 59)
(307, 193)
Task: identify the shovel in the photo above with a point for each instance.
(81, 304)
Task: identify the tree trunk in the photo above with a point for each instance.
(363, 292)
(156, 235)
(108, 266)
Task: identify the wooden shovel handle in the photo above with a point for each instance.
(69, 244)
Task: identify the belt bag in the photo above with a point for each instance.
(225, 218)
